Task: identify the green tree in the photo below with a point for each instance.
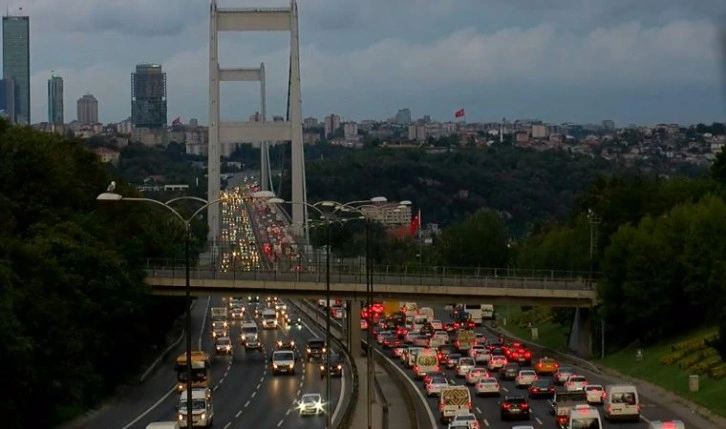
(481, 240)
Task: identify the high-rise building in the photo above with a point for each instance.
(87, 109)
(148, 96)
(16, 63)
(7, 99)
(55, 100)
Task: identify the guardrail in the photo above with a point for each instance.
(347, 416)
(405, 271)
(413, 407)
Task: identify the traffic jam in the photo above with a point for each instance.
(455, 365)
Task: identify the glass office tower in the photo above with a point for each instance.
(16, 63)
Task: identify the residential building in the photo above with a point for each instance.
(87, 109)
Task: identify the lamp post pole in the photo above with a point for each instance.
(110, 196)
(328, 416)
(369, 332)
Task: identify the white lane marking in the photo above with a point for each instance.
(452, 381)
(247, 404)
(253, 394)
(204, 323)
(644, 419)
(538, 420)
(258, 385)
(148, 410)
(227, 425)
(287, 413)
(298, 392)
(261, 379)
(280, 423)
(478, 410)
(221, 380)
(486, 422)
(505, 389)
(339, 405)
(301, 383)
(215, 388)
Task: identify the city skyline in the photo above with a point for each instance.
(567, 61)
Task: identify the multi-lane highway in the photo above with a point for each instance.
(487, 408)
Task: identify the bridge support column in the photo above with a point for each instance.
(354, 345)
(580, 340)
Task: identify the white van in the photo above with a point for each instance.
(163, 425)
(426, 361)
(621, 402)
(202, 409)
(585, 417)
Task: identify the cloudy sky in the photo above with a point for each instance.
(633, 61)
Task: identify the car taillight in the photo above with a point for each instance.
(441, 406)
(561, 419)
(507, 406)
(468, 404)
(437, 368)
(603, 395)
(528, 355)
(525, 406)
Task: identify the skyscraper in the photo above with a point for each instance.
(7, 98)
(55, 100)
(16, 63)
(148, 96)
(87, 109)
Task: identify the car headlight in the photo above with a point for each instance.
(340, 367)
(322, 367)
(292, 343)
(274, 365)
(279, 343)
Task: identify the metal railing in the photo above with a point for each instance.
(382, 274)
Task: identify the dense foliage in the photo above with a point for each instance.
(75, 315)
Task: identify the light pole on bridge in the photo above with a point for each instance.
(115, 197)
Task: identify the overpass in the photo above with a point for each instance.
(407, 283)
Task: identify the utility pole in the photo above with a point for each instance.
(595, 222)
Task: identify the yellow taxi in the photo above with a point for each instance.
(546, 365)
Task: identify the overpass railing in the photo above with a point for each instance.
(382, 274)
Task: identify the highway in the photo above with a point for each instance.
(487, 408)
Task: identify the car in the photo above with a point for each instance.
(475, 348)
(452, 360)
(595, 393)
(509, 371)
(562, 374)
(311, 403)
(463, 365)
(525, 378)
(314, 349)
(474, 374)
(520, 355)
(514, 407)
(293, 319)
(496, 362)
(434, 386)
(542, 388)
(487, 386)
(546, 365)
(575, 382)
(286, 344)
(237, 312)
(223, 345)
(219, 332)
(458, 425)
(335, 367)
(467, 417)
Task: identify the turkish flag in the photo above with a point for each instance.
(459, 113)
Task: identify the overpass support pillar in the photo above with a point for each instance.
(353, 319)
(580, 340)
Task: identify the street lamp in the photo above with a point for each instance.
(114, 197)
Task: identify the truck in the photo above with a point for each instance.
(428, 312)
(200, 370)
(453, 400)
(390, 307)
(219, 317)
(563, 403)
(409, 308)
(465, 339)
(474, 310)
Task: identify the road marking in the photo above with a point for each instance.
(538, 420)
(478, 410)
(298, 392)
(239, 413)
(261, 380)
(227, 425)
(505, 389)
(204, 323)
(156, 404)
(258, 385)
(247, 404)
(221, 380)
(280, 423)
(452, 381)
(301, 383)
(253, 394)
(215, 388)
(486, 422)
(287, 413)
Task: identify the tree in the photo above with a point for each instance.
(481, 240)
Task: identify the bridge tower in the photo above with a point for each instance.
(220, 133)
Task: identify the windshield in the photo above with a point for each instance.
(284, 356)
(585, 423)
(309, 399)
(250, 330)
(268, 316)
(197, 404)
(197, 374)
(223, 341)
(466, 361)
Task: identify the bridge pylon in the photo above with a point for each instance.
(262, 132)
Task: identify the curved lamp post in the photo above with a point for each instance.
(115, 197)
(327, 219)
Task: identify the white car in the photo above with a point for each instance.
(523, 427)
(482, 356)
(487, 386)
(496, 362)
(435, 385)
(475, 374)
(311, 403)
(595, 393)
(459, 425)
(474, 349)
(437, 325)
(463, 366)
(469, 418)
(575, 382)
(525, 378)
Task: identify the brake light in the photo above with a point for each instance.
(507, 406)
(441, 406)
(561, 419)
(525, 406)
(603, 395)
(437, 368)
(468, 404)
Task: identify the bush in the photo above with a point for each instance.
(672, 358)
(693, 344)
(705, 365)
(695, 358)
(718, 372)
